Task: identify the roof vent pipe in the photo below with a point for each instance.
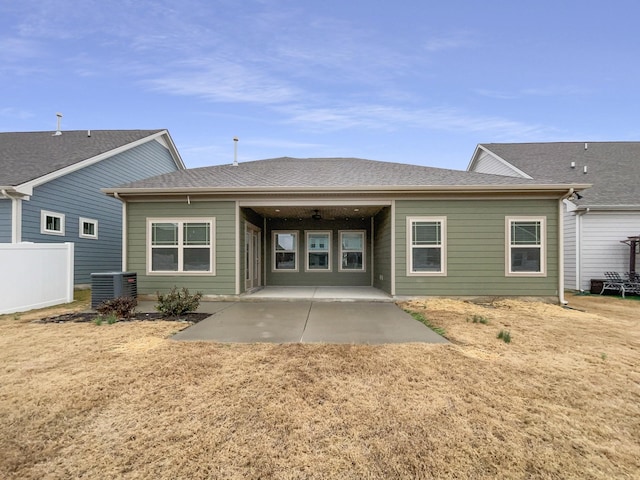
(573, 164)
(235, 151)
(58, 131)
(584, 169)
(586, 146)
(88, 133)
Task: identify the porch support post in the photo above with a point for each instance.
(393, 248)
(238, 272)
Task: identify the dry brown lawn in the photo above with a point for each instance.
(562, 400)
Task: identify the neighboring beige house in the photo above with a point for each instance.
(596, 221)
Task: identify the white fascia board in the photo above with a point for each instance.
(166, 140)
(519, 189)
(498, 158)
(474, 157)
(27, 187)
(609, 208)
(571, 207)
(13, 192)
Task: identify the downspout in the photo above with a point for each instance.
(124, 231)
(561, 247)
(16, 214)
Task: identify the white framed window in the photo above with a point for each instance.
(51, 223)
(318, 251)
(88, 228)
(352, 250)
(426, 246)
(183, 245)
(285, 251)
(526, 246)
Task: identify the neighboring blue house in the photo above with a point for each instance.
(50, 188)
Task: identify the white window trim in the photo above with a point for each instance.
(329, 234)
(43, 223)
(364, 251)
(443, 247)
(274, 251)
(81, 222)
(181, 221)
(542, 246)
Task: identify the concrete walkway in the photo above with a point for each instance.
(307, 322)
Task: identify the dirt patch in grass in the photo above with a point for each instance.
(191, 317)
(562, 400)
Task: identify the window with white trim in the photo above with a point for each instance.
(352, 249)
(318, 251)
(183, 245)
(426, 246)
(88, 228)
(285, 251)
(526, 255)
(51, 223)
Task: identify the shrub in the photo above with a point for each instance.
(505, 335)
(121, 307)
(478, 319)
(178, 302)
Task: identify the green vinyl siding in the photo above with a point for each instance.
(221, 283)
(382, 250)
(476, 240)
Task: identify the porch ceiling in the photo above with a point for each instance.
(333, 212)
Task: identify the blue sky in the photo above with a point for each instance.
(404, 81)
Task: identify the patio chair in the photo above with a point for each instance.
(633, 283)
(614, 282)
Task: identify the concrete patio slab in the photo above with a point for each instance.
(246, 322)
(369, 323)
(307, 322)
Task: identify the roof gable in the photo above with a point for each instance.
(612, 167)
(29, 156)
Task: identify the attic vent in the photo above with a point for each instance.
(235, 151)
(58, 131)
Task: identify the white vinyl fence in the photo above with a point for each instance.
(35, 275)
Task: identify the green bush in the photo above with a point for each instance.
(178, 302)
(121, 307)
(478, 319)
(505, 335)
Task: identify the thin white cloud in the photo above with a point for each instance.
(556, 91)
(281, 143)
(221, 80)
(499, 95)
(15, 113)
(449, 42)
(548, 91)
(396, 118)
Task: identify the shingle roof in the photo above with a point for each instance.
(612, 167)
(289, 172)
(25, 156)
